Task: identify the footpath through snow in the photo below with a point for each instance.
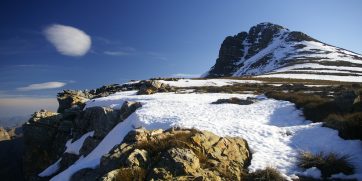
(275, 130)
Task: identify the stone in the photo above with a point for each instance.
(176, 154)
(128, 108)
(152, 86)
(99, 119)
(4, 134)
(138, 158)
(235, 100)
(72, 98)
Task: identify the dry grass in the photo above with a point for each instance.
(268, 174)
(348, 125)
(131, 174)
(315, 108)
(328, 164)
(283, 80)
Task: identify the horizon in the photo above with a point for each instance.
(125, 40)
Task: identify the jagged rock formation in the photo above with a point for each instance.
(174, 154)
(273, 49)
(46, 134)
(73, 100)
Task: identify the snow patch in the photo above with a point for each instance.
(74, 147)
(51, 169)
(312, 172)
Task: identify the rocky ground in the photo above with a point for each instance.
(181, 154)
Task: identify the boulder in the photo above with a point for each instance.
(72, 99)
(152, 86)
(99, 119)
(174, 154)
(128, 108)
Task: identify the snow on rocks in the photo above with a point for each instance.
(74, 147)
(349, 78)
(207, 82)
(275, 130)
(51, 169)
(312, 172)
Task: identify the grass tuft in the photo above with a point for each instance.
(268, 174)
(328, 164)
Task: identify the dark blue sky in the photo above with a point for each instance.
(152, 38)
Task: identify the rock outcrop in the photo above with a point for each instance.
(4, 135)
(46, 134)
(174, 154)
(152, 86)
(235, 100)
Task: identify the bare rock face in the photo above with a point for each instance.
(46, 133)
(72, 99)
(4, 134)
(39, 141)
(175, 154)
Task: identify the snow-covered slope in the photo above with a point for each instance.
(274, 51)
(275, 130)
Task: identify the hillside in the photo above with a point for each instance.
(270, 50)
(225, 129)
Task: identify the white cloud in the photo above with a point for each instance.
(45, 85)
(68, 40)
(183, 75)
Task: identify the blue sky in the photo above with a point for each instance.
(142, 39)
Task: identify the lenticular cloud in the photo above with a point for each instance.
(68, 40)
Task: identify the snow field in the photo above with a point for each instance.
(275, 130)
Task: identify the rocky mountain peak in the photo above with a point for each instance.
(267, 48)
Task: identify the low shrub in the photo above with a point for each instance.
(328, 164)
(349, 126)
(267, 174)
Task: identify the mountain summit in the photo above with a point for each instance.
(274, 51)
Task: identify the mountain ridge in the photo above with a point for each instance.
(273, 49)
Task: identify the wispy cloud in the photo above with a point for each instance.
(41, 86)
(185, 75)
(156, 55)
(121, 51)
(68, 40)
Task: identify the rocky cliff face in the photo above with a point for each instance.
(270, 48)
